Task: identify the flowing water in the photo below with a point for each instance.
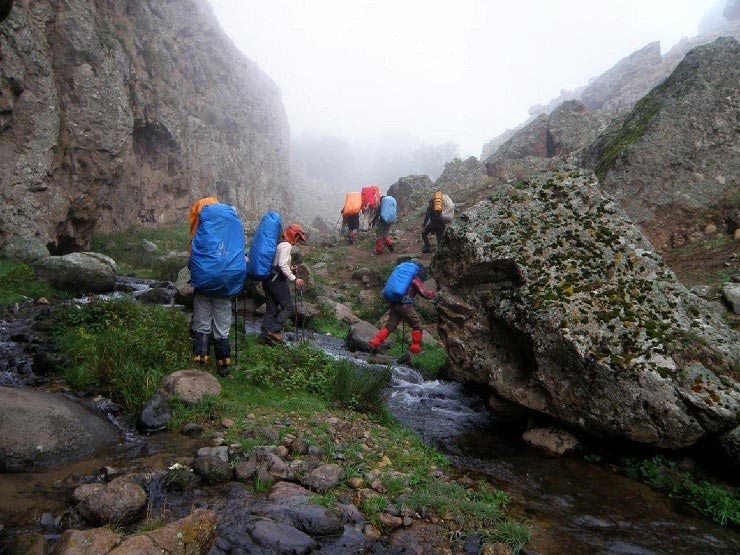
(574, 507)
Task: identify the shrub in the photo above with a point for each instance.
(17, 280)
(121, 348)
(359, 388)
(717, 502)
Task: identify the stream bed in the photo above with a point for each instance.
(575, 507)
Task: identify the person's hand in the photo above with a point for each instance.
(300, 284)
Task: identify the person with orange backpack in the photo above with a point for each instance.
(351, 214)
(406, 280)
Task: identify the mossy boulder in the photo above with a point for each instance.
(551, 297)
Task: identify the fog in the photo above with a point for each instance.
(396, 75)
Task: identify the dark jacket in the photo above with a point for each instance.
(431, 215)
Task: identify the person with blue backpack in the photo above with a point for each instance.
(217, 271)
(406, 281)
(384, 217)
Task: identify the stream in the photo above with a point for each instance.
(575, 507)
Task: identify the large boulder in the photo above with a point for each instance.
(84, 542)
(42, 428)
(189, 386)
(551, 297)
(672, 162)
(118, 502)
(80, 272)
(410, 192)
(360, 334)
(24, 249)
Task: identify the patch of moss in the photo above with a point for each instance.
(631, 131)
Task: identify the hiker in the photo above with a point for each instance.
(406, 280)
(385, 216)
(218, 268)
(440, 212)
(351, 214)
(277, 289)
(370, 203)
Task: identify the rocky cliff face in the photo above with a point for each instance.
(550, 296)
(674, 162)
(121, 113)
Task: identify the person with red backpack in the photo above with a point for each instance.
(277, 290)
(406, 281)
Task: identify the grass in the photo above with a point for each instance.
(18, 282)
(127, 249)
(429, 362)
(719, 503)
(327, 322)
(121, 348)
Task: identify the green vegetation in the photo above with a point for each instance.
(127, 249)
(631, 131)
(429, 362)
(17, 282)
(719, 503)
(326, 322)
(121, 348)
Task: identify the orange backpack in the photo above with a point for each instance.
(437, 202)
(352, 204)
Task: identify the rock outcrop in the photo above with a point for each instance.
(551, 297)
(676, 155)
(570, 127)
(42, 428)
(121, 113)
(80, 272)
(405, 188)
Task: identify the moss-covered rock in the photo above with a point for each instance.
(556, 301)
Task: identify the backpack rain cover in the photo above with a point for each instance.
(217, 264)
(388, 210)
(397, 286)
(264, 245)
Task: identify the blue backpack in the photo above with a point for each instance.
(399, 282)
(217, 265)
(264, 245)
(388, 210)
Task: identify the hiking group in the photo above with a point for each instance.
(381, 212)
(221, 269)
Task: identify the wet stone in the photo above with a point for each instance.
(118, 502)
(192, 429)
(155, 415)
(212, 469)
(324, 478)
(281, 538)
(27, 544)
(311, 519)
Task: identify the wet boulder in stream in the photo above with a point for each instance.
(552, 298)
(43, 428)
(79, 272)
(118, 502)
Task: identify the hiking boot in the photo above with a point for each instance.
(391, 246)
(275, 337)
(222, 367)
(200, 360)
(426, 250)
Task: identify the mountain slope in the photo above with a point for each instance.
(122, 113)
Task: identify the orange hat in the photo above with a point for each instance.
(295, 234)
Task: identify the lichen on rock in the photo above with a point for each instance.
(553, 298)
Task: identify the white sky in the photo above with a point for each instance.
(437, 71)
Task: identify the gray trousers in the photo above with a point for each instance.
(212, 314)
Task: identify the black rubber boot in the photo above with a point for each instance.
(200, 348)
(223, 356)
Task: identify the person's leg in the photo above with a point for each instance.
(385, 331)
(440, 231)
(424, 237)
(222, 320)
(379, 243)
(410, 316)
(286, 307)
(271, 307)
(387, 237)
(201, 326)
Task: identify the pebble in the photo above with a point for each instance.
(42, 301)
(371, 532)
(281, 451)
(356, 482)
(227, 423)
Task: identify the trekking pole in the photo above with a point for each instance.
(235, 307)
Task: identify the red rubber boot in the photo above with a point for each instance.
(415, 346)
(390, 244)
(381, 336)
(379, 246)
